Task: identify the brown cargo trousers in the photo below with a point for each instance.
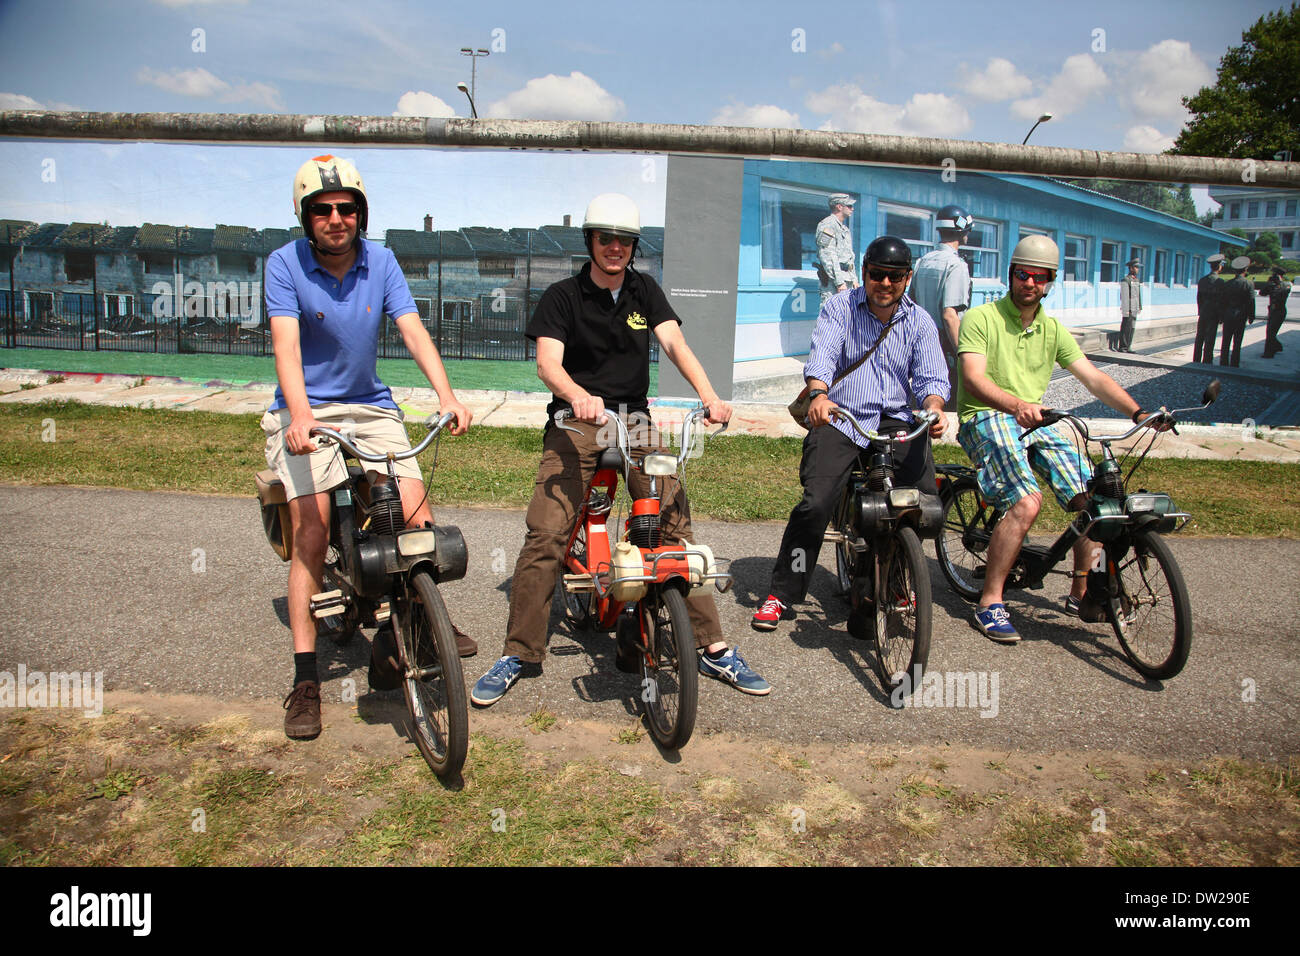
(568, 464)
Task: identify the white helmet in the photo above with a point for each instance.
(328, 174)
(615, 212)
(1036, 250)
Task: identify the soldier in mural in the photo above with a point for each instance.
(1130, 304)
(835, 265)
(1238, 311)
(326, 295)
(941, 285)
(593, 352)
(1209, 295)
(1277, 291)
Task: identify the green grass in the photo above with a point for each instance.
(487, 375)
(739, 478)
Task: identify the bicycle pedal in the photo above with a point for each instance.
(578, 583)
(383, 613)
(327, 604)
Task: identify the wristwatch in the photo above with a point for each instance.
(815, 392)
(1137, 415)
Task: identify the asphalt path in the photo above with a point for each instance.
(180, 593)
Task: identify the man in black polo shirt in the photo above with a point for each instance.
(593, 352)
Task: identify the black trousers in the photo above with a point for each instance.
(1207, 328)
(828, 459)
(1230, 350)
(1126, 333)
(1271, 344)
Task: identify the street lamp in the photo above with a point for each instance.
(1042, 119)
(465, 89)
(473, 69)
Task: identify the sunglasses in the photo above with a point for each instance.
(609, 238)
(323, 209)
(882, 275)
(1040, 277)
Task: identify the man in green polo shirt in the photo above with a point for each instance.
(1007, 351)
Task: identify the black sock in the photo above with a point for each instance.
(304, 668)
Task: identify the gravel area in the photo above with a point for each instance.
(1153, 387)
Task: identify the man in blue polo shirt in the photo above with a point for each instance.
(326, 296)
(906, 366)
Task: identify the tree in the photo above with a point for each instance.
(1266, 248)
(1175, 200)
(1253, 109)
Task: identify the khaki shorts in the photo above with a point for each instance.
(371, 428)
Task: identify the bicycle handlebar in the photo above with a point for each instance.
(927, 419)
(625, 441)
(349, 447)
(1051, 416)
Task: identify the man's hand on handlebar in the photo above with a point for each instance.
(717, 412)
(819, 412)
(591, 409)
(1029, 414)
(297, 437)
(463, 417)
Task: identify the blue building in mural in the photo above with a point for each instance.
(777, 292)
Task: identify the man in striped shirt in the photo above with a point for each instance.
(906, 367)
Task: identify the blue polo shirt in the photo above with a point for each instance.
(338, 321)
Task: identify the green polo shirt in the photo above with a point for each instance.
(1020, 360)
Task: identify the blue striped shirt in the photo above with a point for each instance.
(899, 375)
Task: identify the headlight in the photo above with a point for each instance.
(1147, 503)
(416, 541)
(657, 464)
(904, 497)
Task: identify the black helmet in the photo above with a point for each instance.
(888, 251)
(954, 221)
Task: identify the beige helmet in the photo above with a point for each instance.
(328, 174)
(615, 212)
(1037, 251)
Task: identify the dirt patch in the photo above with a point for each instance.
(187, 780)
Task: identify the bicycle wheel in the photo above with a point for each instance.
(670, 672)
(903, 612)
(963, 540)
(339, 628)
(577, 606)
(433, 684)
(1152, 613)
(846, 559)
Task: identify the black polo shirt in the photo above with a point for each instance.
(606, 343)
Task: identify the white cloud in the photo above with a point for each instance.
(573, 97)
(1146, 139)
(834, 50)
(17, 101)
(1162, 76)
(412, 103)
(1080, 77)
(761, 115)
(999, 80)
(925, 114)
(199, 82)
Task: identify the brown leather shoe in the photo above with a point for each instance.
(302, 706)
(465, 644)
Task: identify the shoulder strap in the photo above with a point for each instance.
(849, 371)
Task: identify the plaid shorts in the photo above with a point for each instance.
(1005, 465)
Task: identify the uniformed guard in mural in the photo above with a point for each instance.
(835, 267)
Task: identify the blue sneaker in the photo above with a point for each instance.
(731, 667)
(492, 686)
(995, 624)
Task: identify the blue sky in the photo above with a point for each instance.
(1111, 73)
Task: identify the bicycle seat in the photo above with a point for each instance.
(610, 458)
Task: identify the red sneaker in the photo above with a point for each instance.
(767, 616)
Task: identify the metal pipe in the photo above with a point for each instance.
(942, 154)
